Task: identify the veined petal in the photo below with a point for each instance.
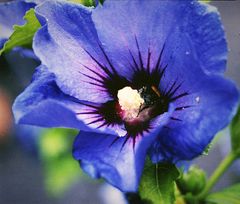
(68, 45)
(215, 105)
(68, 71)
(204, 103)
(151, 23)
(44, 104)
(118, 160)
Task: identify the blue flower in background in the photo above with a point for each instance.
(11, 13)
(136, 77)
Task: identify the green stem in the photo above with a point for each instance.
(223, 166)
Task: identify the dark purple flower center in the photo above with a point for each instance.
(144, 83)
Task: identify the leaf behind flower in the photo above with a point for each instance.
(22, 35)
(230, 195)
(157, 184)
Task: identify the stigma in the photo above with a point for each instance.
(130, 102)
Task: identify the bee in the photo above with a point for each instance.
(150, 95)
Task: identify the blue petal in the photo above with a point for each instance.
(207, 35)
(65, 45)
(12, 13)
(215, 105)
(204, 104)
(151, 23)
(44, 104)
(35, 1)
(121, 164)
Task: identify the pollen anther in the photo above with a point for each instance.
(130, 102)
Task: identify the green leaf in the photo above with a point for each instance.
(235, 132)
(84, 2)
(87, 2)
(229, 195)
(22, 35)
(157, 184)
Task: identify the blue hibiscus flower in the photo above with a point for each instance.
(136, 77)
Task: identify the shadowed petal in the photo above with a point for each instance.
(116, 160)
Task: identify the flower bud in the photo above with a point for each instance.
(193, 181)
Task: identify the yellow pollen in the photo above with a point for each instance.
(130, 101)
